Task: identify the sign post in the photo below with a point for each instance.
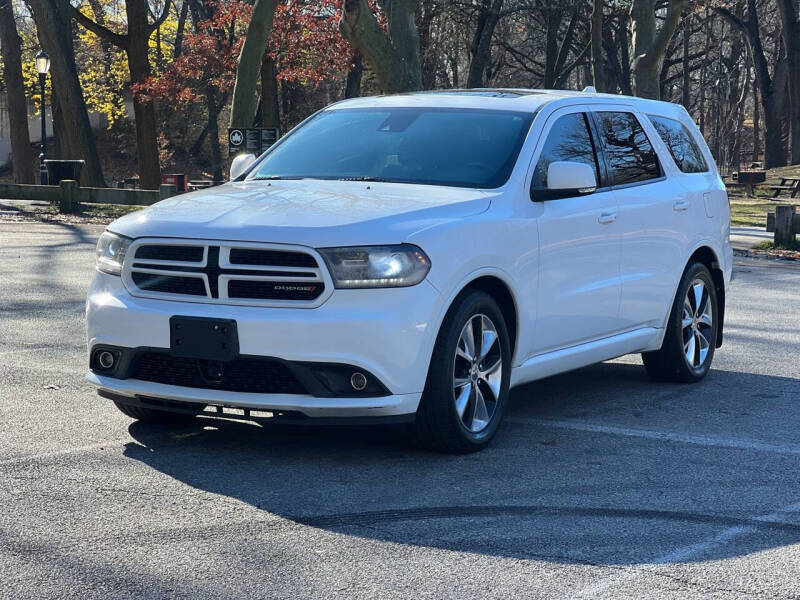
(253, 140)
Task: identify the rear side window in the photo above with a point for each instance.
(684, 150)
(568, 140)
(631, 157)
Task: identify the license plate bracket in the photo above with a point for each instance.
(203, 338)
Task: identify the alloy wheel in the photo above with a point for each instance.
(477, 373)
(697, 324)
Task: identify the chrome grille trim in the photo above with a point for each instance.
(301, 276)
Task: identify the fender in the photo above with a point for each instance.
(447, 302)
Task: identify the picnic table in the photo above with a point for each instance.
(199, 184)
(790, 184)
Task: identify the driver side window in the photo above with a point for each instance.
(568, 140)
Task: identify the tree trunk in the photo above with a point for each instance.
(650, 43)
(791, 40)
(429, 59)
(596, 39)
(144, 111)
(394, 58)
(52, 19)
(179, 32)
(686, 83)
(480, 51)
(247, 70)
(352, 88)
(756, 124)
(270, 116)
(213, 133)
(21, 154)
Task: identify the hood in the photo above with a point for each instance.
(309, 212)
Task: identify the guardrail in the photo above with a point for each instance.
(68, 195)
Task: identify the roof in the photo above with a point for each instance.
(528, 100)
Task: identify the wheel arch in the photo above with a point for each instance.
(706, 255)
(501, 292)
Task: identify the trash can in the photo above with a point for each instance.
(59, 170)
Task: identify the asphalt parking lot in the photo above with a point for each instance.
(600, 484)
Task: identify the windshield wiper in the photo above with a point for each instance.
(364, 178)
(277, 178)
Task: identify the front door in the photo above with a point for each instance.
(579, 245)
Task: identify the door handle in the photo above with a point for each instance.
(606, 218)
(680, 205)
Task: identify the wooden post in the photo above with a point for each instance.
(784, 226)
(770, 222)
(69, 196)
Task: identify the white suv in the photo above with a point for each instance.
(411, 258)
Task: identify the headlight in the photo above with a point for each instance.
(376, 266)
(111, 250)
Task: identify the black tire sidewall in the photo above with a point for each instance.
(675, 329)
(439, 390)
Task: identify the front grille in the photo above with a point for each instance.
(170, 253)
(190, 286)
(254, 375)
(276, 290)
(225, 272)
(274, 258)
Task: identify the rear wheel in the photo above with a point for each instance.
(150, 415)
(690, 339)
(468, 379)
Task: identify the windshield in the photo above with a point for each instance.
(453, 147)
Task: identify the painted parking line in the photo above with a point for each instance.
(664, 436)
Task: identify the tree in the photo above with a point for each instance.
(21, 154)
(650, 43)
(393, 54)
(70, 116)
(249, 63)
(772, 86)
(135, 44)
(480, 49)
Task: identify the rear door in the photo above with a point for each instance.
(579, 244)
(653, 211)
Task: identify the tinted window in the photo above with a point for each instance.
(568, 140)
(455, 147)
(630, 154)
(681, 145)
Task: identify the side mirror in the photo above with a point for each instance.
(566, 179)
(240, 164)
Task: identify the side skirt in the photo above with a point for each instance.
(575, 357)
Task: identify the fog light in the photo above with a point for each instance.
(105, 359)
(358, 381)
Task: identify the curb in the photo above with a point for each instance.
(782, 255)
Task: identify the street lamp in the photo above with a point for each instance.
(42, 67)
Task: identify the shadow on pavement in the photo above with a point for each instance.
(568, 496)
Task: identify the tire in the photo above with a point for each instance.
(450, 417)
(691, 331)
(149, 415)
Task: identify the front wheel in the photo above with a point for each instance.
(690, 339)
(468, 379)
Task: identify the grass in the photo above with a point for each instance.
(752, 212)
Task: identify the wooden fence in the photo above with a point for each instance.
(68, 195)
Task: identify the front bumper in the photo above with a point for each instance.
(388, 332)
